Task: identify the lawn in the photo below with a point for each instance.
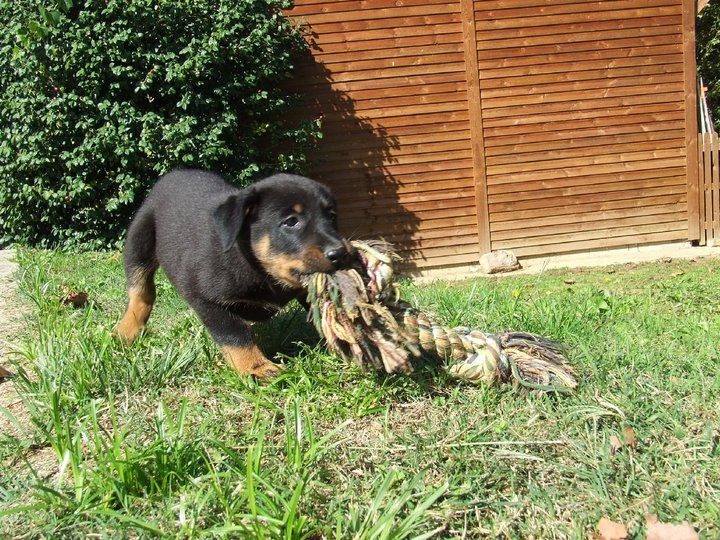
(162, 439)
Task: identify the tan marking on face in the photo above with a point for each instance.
(141, 297)
(298, 208)
(280, 266)
(316, 261)
(249, 361)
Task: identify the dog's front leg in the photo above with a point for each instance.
(234, 336)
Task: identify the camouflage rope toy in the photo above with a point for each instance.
(361, 315)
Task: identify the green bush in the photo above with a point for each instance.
(100, 97)
(708, 55)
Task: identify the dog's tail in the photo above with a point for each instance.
(140, 262)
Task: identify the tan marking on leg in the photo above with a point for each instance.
(141, 297)
(250, 361)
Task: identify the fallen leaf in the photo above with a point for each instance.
(630, 438)
(657, 530)
(615, 444)
(4, 373)
(569, 281)
(666, 259)
(77, 298)
(678, 273)
(609, 530)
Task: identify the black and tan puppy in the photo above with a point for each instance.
(233, 255)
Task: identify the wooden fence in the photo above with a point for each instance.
(542, 126)
(710, 195)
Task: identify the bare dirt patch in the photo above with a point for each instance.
(10, 325)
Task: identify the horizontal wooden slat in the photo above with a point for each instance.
(485, 25)
(395, 63)
(580, 41)
(569, 172)
(354, 43)
(485, 13)
(363, 177)
(451, 132)
(539, 234)
(452, 239)
(581, 236)
(484, 5)
(396, 155)
(601, 243)
(559, 196)
(449, 253)
(589, 180)
(597, 206)
(521, 226)
(554, 32)
(308, 83)
(568, 122)
(560, 140)
(438, 259)
(539, 65)
(376, 26)
(675, 140)
(574, 86)
(620, 107)
(445, 198)
(585, 94)
(584, 236)
(381, 13)
(359, 100)
(589, 160)
(567, 203)
(511, 143)
(580, 105)
(603, 74)
(310, 7)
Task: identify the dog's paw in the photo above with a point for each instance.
(268, 371)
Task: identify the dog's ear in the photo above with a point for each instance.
(231, 214)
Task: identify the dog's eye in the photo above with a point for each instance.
(291, 222)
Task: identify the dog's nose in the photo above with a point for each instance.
(336, 255)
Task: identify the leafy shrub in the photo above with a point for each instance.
(100, 97)
(708, 55)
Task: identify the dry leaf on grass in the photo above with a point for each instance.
(569, 281)
(4, 373)
(615, 444)
(630, 438)
(657, 530)
(666, 259)
(77, 298)
(609, 530)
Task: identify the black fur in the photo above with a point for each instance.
(234, 255)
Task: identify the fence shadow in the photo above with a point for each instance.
(353, 157)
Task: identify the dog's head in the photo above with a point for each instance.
(290, 224)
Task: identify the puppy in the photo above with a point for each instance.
(234, 255)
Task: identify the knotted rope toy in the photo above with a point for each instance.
(361, 315)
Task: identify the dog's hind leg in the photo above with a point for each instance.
(140, 266)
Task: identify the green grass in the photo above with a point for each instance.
(161, 439)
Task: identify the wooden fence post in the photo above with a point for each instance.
(691, 123)
(476, 123)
